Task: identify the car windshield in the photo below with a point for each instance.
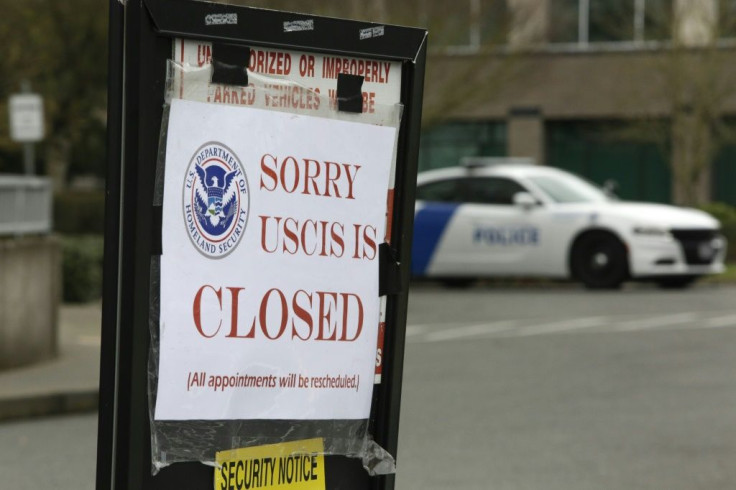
(565, 188)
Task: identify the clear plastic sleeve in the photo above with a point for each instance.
(199, 440)
(272, 93)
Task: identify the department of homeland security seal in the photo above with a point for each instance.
(215, 200)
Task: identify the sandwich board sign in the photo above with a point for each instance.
(257, 246)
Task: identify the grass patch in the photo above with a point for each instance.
(81, 268)
(728, 277)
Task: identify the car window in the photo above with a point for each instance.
(441, 191)
(568, 189)
(491, 190)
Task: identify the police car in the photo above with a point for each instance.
(515, 219)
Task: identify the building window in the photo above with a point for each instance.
(727, 19)
(723, 169)
(449, 23)
(493, 24)
(444, 145)
(563, 23)
(597, 21)
(472, 24)
(657, 20)
(613, 151)
(611, 20)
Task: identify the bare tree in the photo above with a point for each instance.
(697, 80)
(694, 76)
(60, 47)
(462, 35)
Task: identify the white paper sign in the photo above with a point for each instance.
(269, 272)
(26, 118)
(312, 73)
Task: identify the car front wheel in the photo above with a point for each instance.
(600, 261)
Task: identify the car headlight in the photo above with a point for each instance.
(652, 232)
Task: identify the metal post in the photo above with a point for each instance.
(29, 150)
(583, 22)
(475, 28)
(29, 158)
(639, 11)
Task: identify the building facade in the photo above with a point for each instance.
(639, 91)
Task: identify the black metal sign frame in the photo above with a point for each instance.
(140, 40)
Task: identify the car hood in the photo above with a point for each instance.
(658, 214)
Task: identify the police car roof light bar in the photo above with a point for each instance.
(478, 162)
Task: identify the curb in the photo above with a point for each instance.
(48, 404)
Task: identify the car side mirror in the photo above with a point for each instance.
(524, 200)
(610, 187)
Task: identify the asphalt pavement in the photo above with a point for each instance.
(504, 388)
(70, 382)
(568, 389)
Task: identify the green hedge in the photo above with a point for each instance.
(82, 268)
(726, 214)
(79, 212)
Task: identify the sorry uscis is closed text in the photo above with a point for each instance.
(326, 316)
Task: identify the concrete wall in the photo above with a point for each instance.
(30, 291)
(526, 134)
(575, 85)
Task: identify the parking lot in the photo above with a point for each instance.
(519, 388)
(569, 389)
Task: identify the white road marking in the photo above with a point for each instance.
(441, 332)
(421, 329)
(414, 330)
(470, 331)
(658, 321)
(561, 326)
(721, 321)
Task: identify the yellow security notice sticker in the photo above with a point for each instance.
(298, 465)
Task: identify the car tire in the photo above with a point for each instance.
(677, 282)
(599, 260)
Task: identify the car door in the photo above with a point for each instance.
(437, 206)
(490, 234)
